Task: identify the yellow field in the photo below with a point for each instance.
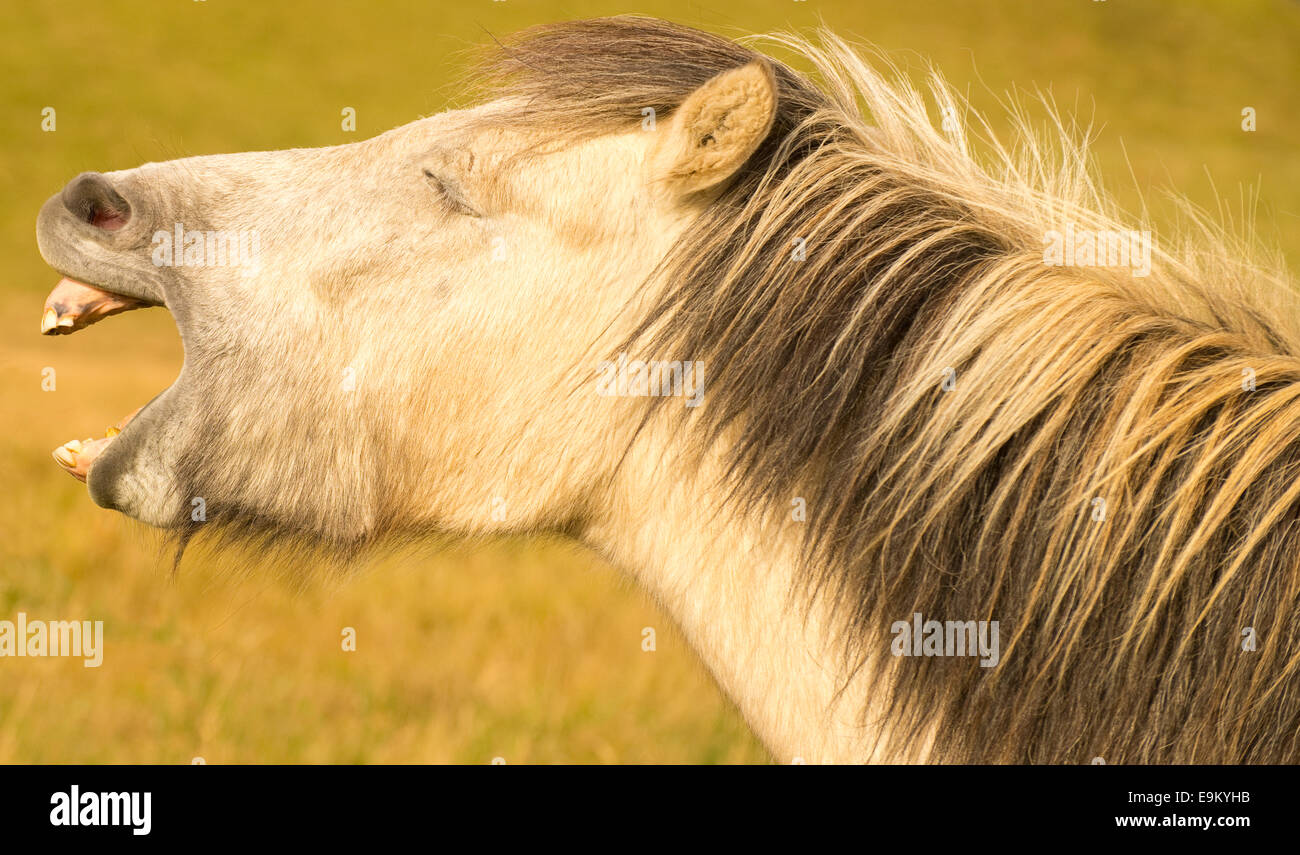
(528, 650)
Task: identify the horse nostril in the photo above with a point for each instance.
(93, 200)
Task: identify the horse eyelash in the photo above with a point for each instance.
(450, 194)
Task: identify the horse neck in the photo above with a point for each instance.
(730, 585)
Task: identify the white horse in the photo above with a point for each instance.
(799, 366)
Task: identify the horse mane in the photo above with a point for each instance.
(1124, 636)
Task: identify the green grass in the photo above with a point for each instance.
(527, 650)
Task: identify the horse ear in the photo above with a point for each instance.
(716, 129)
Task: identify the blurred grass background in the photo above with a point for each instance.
(528, 650)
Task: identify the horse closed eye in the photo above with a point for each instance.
(450, 195)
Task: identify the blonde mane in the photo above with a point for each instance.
(1111, 471)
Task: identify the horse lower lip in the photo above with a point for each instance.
(74, 305)
(76, 456)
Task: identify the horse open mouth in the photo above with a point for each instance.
(70, 307)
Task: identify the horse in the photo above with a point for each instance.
(932, 454)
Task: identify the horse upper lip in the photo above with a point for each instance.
(74, 305)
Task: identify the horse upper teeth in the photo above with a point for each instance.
(66, 321)
(48, 320)
(73, 445)
(65, 457)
